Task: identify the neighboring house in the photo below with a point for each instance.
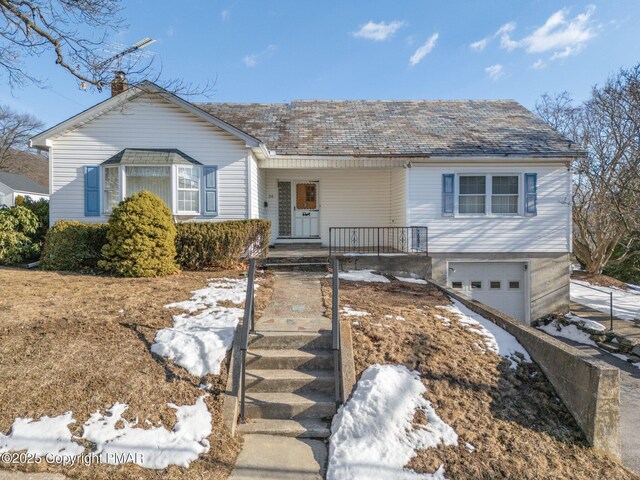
(490, 181)
(13, 185)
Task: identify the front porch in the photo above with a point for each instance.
(304, 203)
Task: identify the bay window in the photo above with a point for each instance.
(170, 174)
(188, 189)
(111, 188)
(156, 180)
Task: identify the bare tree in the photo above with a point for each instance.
(606, 190)
(74, 33)
(15, 131)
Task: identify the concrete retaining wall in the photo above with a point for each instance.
(347, 365)
(401, 265)
(590, 389)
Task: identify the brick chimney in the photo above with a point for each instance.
(119, 83)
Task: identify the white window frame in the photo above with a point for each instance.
(488, 195)
(173, 178)
(176, 192)
(103, 190)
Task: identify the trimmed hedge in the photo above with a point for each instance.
(207, 245)
(74, 246)
(141, 238)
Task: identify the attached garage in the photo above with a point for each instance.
(501, 285)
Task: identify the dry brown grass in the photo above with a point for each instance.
(81, 343)
(599, 279)
(520, 429)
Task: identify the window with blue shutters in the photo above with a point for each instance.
(530, 194)
(92, 191)
(210, 190)
(448, 181)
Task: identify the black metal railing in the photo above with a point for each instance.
(378, 240)
(335, 326)
(248, 326)
(610, 294)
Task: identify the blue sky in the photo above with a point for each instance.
(280, 50)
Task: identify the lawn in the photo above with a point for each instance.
(81, 343)
(509, 421)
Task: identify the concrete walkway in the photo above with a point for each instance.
(296, 308)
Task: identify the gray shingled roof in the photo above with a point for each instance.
(395, 128)
(150, 156)
(21, 183)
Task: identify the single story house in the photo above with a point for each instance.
(490, 181)
(13, 185)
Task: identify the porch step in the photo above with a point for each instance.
(289, 406)
(292, 340)
(303, 428)
(289, 359)
(289, 381)
(297, 266)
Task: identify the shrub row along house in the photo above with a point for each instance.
(490, 181)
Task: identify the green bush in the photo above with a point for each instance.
(141, 238)
(74, 246)
(205, 245)
(18, 227)
(41, 210)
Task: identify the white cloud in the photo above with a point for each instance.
(480, 44)
(170, 31)
(378, 31)
(560, 35)
(495, 71)
(538, 64)
(225, 14)
(253, 59)
(424, 50)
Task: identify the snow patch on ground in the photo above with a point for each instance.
(570, 332)
(373, 436)
(362, 276)
(445, 320)
(350, 312)
(626, 303)
(199, 341)
(495, 338)
(155, 447)
(48, 435)
(590, 324)
(419, 281)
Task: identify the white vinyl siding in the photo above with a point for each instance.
(348, 197)
(146, 123)
(398, 197)
(256, 192)
(549, 231)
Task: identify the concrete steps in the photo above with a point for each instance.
(290, 381)
(282, 405)
(303, 428)
(289, 359)
(290, 340)
(290, 384)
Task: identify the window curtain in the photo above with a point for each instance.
(156, 180)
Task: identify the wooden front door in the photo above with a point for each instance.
(306, 213)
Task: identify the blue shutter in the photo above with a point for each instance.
(210, 189)
(447, 194)
(530, 194)
(92, 191)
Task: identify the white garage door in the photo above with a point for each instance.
(500, 285)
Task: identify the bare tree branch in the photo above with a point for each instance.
(15, 131)
(606, 187)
